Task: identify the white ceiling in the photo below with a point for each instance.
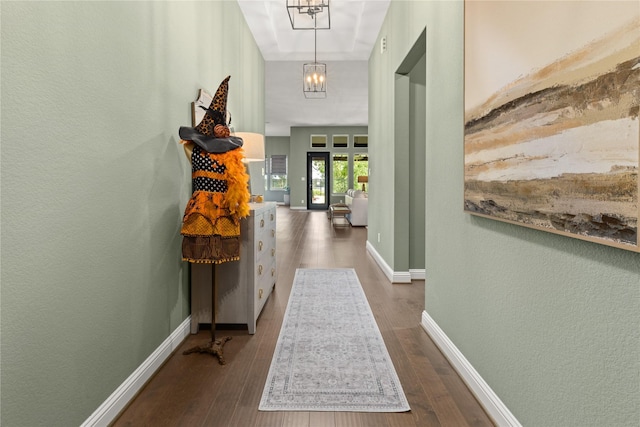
(345, 48)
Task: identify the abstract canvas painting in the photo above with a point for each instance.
(551, 132)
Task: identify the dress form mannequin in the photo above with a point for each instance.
(216, 346)
(220, 196)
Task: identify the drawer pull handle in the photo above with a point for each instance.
(260, 269)
(273, 251)
(273, 272)
(273, 233)
(260, 245)
(271, 217)
(260, 292)
(261, 223)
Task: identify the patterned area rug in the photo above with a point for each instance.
(330, 355)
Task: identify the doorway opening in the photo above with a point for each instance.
(410, 138)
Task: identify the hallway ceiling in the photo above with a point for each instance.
(345, 48)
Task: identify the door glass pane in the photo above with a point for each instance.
(318, 180)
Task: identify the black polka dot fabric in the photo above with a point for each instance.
(201, 161)
(208, 184)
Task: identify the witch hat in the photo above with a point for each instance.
(204, 134)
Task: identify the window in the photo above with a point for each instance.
(360, 141)
(360, 167)
(340, 141)
(318, 141)
(277, 172)
(340, 168)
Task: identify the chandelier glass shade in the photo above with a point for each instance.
(309, 14)
(314, 76)
(314, 80)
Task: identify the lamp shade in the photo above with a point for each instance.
(253, 146)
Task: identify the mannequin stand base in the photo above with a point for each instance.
(214, 348)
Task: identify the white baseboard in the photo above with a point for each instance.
(393, 276)
(490, 401)
(417, 273)
(109, 410)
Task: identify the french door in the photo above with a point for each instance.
(318, 181)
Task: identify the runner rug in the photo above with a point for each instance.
(330, 355)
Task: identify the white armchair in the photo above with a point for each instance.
(358, 202)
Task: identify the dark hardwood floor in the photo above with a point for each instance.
(194, 390)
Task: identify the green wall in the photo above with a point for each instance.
(300, 144)
(551, 323)
(417, 176)
(94, 183)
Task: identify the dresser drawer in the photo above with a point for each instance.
(242, 287)
(265, 283)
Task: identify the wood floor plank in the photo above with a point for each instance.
(374, 419)
(412, 418)
(348, 419)
(422, 414)
(296, 419)
(446, 391)
(269, 419)
(222, 406)
(322, 419)
(195, 390)
(247, 403)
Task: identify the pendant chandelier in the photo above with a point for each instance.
(314, 76)
(309, 14)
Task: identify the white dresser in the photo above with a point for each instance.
(242, 287)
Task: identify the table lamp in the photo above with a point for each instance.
(363, 179)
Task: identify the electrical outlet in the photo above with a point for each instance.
(378, 237)
(301, 201)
